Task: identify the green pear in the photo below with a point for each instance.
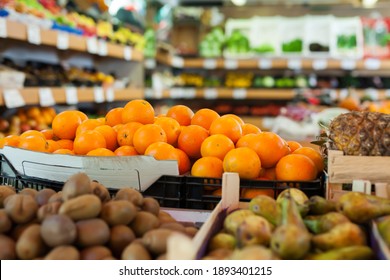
(253, 230)
(384, 229)
(323, 223)
(318, 205)
(345, 253)
(253, 252)
(235, 218)
(265, 206)
(222, 240)
(299, 197)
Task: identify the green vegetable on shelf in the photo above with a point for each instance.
(268, 82)
(295, 45)
(264, 48)
(237, 43)
(346, 41)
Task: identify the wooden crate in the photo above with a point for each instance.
(360, 171)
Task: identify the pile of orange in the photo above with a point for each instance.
(203, 142)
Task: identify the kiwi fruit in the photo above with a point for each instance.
(131, 195)
(155, 240)
(21, 208)
(30, 244)
(43, 196)
(165, 217)
(118, 212)
(48, 209)
(5, 191)
(5, 222)
(77, 184)
(143, 222)
(86, 206)
(135, 251)
(92, 232)
(56, 197)
(151, 205)
(63, 252)
(8, 248)
(100, 191)
(120, 237)
(175, 226)
(57, 230)
(95, 253)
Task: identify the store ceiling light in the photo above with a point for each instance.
(239, 2)
(369, 3)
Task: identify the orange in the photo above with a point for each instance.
(243, 161)
(228, 126)
(204, 117)
(52, 145)
(88, 141)
(65, 144)
(181, 113)
(217, 192)
(295, 167)
(171, 127)
(101, 152)
(125, 151)
(63, 152)
(294, 145)
(146, 135)
(114, 116)
(117, 127)
(207, 167)
(48, 133)
(126, 132)
(216, 145)
(110, 136)
(191, 139)
(251, 193)
(31, 133)
(183, 161)
(269, 173)
(250, 128)
(138, 110)
(161, 151)
(269, 146)
(237, 118)
(314, 155)
(65, 124)
(34, 143)
(82, 115)
(101, 120)
(10, 140)
(86, 125)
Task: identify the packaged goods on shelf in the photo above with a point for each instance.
(292, 35)
(318, 34)
(347, 38)
(376, 32)
(265, 36)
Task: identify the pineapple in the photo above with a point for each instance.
(360, 134)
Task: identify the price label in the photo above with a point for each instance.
(177, 62)
(102, 45)
(127, 53)
(239, 93)
(210, 93)
(348, 64)
(46, 98)
(231, 64)
(158, 93)
(265, 63)
(343, 93)
(372, 64)
(3, 27)
(333, 94)
(34, 34)
(110, 94)
(372, 93)
(149, 93)
(320, 64)
(189, 93)
(92, 45)
(150, 63)
(210, 63)
(294, 64)
(98, 94)
(62, 40)
(71, 96)
(176, 93)
(13, 98)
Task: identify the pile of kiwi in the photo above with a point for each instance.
(83, 221)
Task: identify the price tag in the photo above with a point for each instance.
(189, 93)
(231, 64)
(92, 45)
(372, 64)
(176, 93)
(149, 93)
(210, 93)
(348, 64)
(150, 63)
(333, 94)
(62, 40)
(239, 93)
(387, 93)
(343, 93)
(110, 95)
(127, 53)
(158, 93)
(71, 96)
(265, 63)
(13, 98)
(98, 94)
(46, 98)
(34, 34)
(210, 63)
(372, 93)
(3, 27)
(177, 62)
(320, 64)
(294, 64)
(102, 51)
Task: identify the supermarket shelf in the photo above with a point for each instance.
(295, 63)
(61, 40)
(51, 96)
